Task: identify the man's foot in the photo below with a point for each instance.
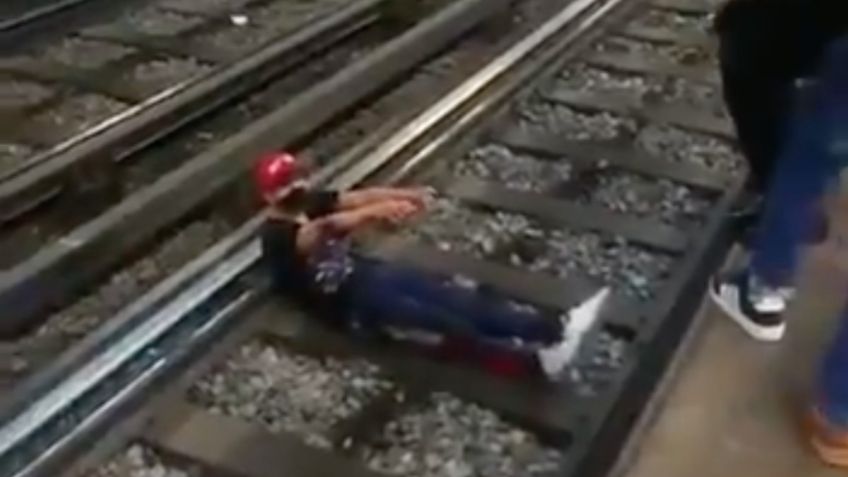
(829, 442)
(556, 358)
(759, 312)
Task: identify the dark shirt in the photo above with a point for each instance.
(316, 280)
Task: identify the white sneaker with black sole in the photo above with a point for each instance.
(762, 318)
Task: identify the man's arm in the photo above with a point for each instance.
(349, 221)
(358, 198)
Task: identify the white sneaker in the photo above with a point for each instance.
(761, 318)
(555, 358)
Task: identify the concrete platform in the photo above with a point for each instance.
(732, 408)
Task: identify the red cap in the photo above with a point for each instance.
(275, 171)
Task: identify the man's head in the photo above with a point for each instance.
(278, 176)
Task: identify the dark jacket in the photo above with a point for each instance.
(782, 36)
(765, 46)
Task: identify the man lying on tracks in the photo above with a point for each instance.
(809, 165)
(306, 244)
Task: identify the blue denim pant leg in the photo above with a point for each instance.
(390, 295)
(833, 378)
(833, 383)
(808, 165)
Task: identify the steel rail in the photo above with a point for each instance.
(462, 95)
(121, 353)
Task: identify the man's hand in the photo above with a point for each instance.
(420, 196)
(388, 211)
(396, 211)
(356, 199)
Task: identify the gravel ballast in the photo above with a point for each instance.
(16, 94)
(618, 191)
(667, 19)
(153, 21)
(678, 145)
(522, 172)
(451, 438)
(650, 89)
(605, 357)
(642, 197)
(686, 55)
(83, 53)
(545, 117)
(282, 391)
(158, 74)
(11, 155)
(78, 113)
(522, 242)
(141, 461)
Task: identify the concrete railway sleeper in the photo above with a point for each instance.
(543, 199)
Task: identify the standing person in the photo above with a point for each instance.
(815, 153)
(307, 248)
(767, 47)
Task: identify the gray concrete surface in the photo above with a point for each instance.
(734, 407)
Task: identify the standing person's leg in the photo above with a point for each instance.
(830, 411)
(808, 164)
(829, 417)
(758, 100)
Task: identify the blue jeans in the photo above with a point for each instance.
(385, 295)
(810, 163)
(816, 151)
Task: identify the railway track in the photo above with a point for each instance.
(592, 152)
(72, 232)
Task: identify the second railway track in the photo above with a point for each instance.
(593, 152)
(92, 96)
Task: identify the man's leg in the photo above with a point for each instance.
(407, 298)
(808, 164)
